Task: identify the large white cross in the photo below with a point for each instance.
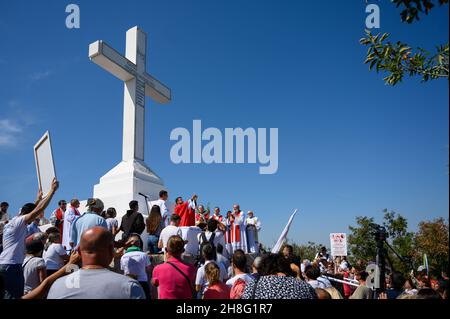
(138, 83)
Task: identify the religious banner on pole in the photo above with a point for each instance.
(276, 249)
(338, 243)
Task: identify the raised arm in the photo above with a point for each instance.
(42, 203)
(38, 197)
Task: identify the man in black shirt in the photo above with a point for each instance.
(132, 221)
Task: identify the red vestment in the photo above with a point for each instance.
(186, 213)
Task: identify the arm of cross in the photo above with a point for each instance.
(118, 65)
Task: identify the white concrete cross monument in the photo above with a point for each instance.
(131, 176)
(138, 83)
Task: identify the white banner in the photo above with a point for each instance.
(338, 242)
(280, 242)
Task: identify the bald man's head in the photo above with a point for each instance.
(96, 247)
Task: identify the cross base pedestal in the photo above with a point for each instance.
(123, 184)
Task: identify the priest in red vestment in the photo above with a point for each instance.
(186, 210)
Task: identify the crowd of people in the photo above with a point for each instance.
(188, 254)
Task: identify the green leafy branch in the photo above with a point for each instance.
(399, 59)
(412, 8)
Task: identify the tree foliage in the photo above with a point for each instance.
(399, 59)
(432, 239)
(412, 8)
(306, 251)
(362, 244)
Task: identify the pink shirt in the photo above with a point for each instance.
(172, 284)
(217, 291)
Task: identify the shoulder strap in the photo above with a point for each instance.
(23, 266)
(184, 275)
(211, 239)
(204, 240)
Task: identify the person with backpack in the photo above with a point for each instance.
(212, 237)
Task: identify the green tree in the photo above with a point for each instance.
(432, 239)
(362, 244)
(306, 251)
(399, 59)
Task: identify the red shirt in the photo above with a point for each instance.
(217, 291)
(186, 213)
(172, 284)
(347, 288)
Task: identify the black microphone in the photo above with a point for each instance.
(143, 195)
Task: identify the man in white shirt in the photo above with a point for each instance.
(314, 278)
(169, 231)
(239, 264)
(136, 264)
(14, 234)
(190, 236)
(211, 230)
(161, 202)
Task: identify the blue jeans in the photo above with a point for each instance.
(152, 244)
(13, 280)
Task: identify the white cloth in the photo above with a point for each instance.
(252, 242)
(164, 210)
(201, 280)
(244, 277)
(276, 249)
(53, 256)
(135, 263)
(14, 234)
(190, 234)
(321, 282)
(168, 232)
(69, 217)
(242, 242)
(112, 223)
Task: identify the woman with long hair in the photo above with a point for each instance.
(217, 289)
(154, 227)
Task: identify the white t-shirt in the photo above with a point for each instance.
(168, 232)
(135, 263)
(14, 234)
(321, 282)
(244, 277)
(31, 267)
(111, 223)
(53, 256)
(201, 280)
(190, 234)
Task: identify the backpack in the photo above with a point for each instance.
(211, 242)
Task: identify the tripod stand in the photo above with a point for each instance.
(381, 256)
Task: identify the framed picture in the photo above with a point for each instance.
(45, 166)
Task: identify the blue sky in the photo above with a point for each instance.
(348, 144)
